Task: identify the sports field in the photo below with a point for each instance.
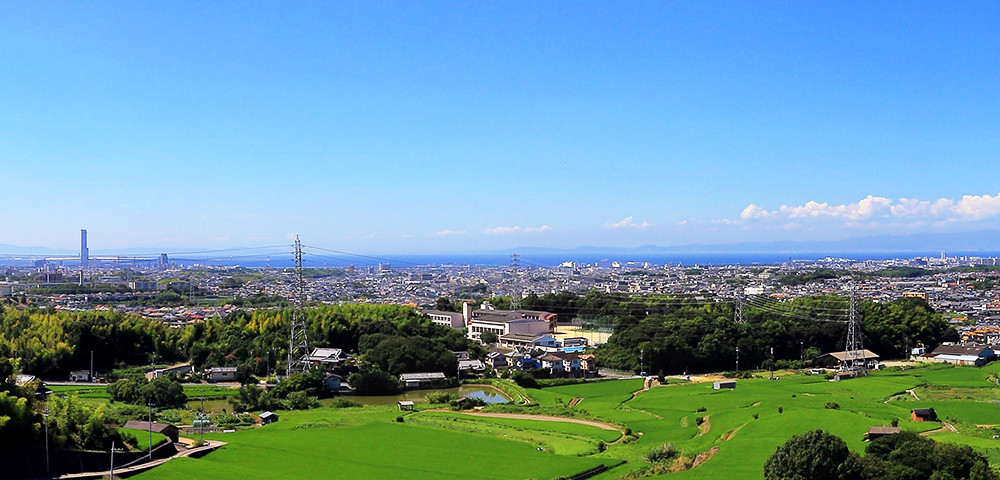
(734, 430)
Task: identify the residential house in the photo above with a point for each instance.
(561, 364)
(79, 376)
(588, 363)
(327, 358)
(496, 360)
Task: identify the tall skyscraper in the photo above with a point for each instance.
(84, 251)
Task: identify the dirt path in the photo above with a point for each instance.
(946, 427)
(705, 426)
(546, 418)
(647, 383)
(911, 392)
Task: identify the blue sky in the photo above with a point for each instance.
(419, 127)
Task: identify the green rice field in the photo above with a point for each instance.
(738, 429)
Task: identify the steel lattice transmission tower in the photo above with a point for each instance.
(738, 311)
(738, 307)
(855, 351)
(515, 297)
(298, 341)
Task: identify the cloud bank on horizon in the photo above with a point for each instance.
(872, 208)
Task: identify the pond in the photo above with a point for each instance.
(487, 394)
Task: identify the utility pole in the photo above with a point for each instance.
(150, 446)
(737, 359)
(201, 416)
(802, 351)
(111, 474)
(642, 361)
(771, 366)
(46, 414)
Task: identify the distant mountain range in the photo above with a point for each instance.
(987, 241)
(967, 242)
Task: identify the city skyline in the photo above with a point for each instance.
(392, 127)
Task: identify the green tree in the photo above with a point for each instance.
(444, 304)
(374, 382)
(814, 455)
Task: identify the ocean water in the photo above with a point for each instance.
(323, 260)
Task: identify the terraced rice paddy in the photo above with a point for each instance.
(734, 431)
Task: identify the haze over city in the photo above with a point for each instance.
(456, 127)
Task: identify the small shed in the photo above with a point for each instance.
(405, 405)
(723, 384)
(923, 415)
(877, 432)
(332, 383)
(268, 418)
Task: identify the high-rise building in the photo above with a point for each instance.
(84, 251)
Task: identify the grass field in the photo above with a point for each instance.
(368, 443)
(745, 425)
(143, 436)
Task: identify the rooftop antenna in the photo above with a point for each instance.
(298, 342)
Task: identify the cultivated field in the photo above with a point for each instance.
(738, 430)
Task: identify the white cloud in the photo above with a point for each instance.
(627, 222)
(516, 229)
(875, 209)
(979, 206)
(446, 232)
(753, 211)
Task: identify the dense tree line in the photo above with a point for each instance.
(71, 423)
(818, 455)
(678, 334)
(53, 343)
(697, 338)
